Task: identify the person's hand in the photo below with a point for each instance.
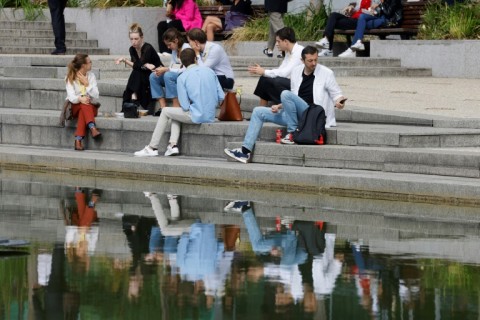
(119, 60)
(82, 79)
(84, 99)
(275, 108)
(256, 69)
(160, 70)
(340, 103)
(149, 66)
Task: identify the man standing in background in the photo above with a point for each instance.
(275, 9)
(58, 25)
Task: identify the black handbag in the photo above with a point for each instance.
(130, 110)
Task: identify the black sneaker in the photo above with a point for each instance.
(58, 52)
(268, 53)
(238, 155)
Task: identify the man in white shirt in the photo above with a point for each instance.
(212, 55)
(273, 82)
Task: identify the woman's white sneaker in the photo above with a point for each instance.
(146, 152)
(349, 53)
(172, 151)
(322, 43)
(358, 46)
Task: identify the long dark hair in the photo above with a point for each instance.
(76, 64)
(171, 34)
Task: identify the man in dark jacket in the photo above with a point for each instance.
(275, 9)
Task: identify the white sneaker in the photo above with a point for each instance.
(323, 43)
(349, 53)
(325, 53)
(146, 152)
(171, 151)
(358, 46)
(288, 139)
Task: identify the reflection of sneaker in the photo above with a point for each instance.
(358, 46)
(148, 194)
(146, 152)
(172, 151)
(288, 139)
(325, 53)
(236, 206)
(238, 155)
(171, 196)
(323, 43)
(349, 53)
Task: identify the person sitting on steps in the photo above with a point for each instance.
(311, 83)
(81, 86)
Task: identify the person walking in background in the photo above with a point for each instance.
(240, 11)
(81, 90)
(273, 82)
(275, 10)
(387, 13)
(311, 83)
(212, 55)
(143, 60)
(58, 25)
(199, 94)
(345, 20)
(182, 15)
(167, 76)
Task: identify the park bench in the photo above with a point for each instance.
(258, 12)
(412, 20)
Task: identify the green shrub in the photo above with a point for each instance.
(459, 21)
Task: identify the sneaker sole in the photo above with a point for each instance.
(145, 155)
(322, 46)
(233, 157)
(357, 49)
(172, 154)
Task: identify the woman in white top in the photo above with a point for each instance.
(81, 90)
(167, 76)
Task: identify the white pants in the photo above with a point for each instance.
(177, 116)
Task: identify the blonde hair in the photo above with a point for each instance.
(135, 28)
(76, 64)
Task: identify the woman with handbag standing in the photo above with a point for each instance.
(81, 90)
(386, 13)
(240, 11)
(182, 15)
(143, 60)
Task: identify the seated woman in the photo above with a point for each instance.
(81, 90)
(240, 11)
(387, 13)
(182, 15)
(345, 20)
(167, 76)
(143, 60)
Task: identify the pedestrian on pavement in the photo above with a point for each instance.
(57, 7)
(199, 94)
(311, 83)
(273, 82)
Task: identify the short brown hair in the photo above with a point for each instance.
(197, 34)
(187, 57)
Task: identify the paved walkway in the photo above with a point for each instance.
(434, 96)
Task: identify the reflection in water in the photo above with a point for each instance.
(179, 257)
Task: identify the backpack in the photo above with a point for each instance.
(311, 126)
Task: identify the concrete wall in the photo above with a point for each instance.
(446, 58)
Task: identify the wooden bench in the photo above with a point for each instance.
(412, 20)
(258, 12)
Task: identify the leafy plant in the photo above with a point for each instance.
(458, 21)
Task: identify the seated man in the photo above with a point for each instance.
(212, 55)
(273, 82)
(311, 83)
(199, 93)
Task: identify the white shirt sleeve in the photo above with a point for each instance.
(288, 64)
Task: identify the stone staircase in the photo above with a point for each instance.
(36, 37)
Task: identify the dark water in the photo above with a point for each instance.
(182, 252)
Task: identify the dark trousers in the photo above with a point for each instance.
(269, 89)
(58, 22)
(225, 83)
(162, 27)
(338, 21)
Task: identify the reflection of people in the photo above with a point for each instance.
(81, 90)
(199, 94)
(311, 83)
(273, 82)
(58, 25)
(143, 59)
(167, 76)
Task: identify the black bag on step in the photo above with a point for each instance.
(130, 110)
(311, 126)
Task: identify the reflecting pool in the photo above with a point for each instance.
(99, 249)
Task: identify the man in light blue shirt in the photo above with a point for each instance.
(212, 55)
(199, 94)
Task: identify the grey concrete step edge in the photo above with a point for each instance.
(42, 42)
(44, 33)
(253, 176)
(446, 162)
(48, 50)
(33, 25)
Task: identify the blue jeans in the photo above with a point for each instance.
(292, 108)
(167, 80)
(366, 21)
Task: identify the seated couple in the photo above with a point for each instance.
(195, 105)
(311, 83)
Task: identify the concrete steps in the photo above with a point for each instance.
(36, 37)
